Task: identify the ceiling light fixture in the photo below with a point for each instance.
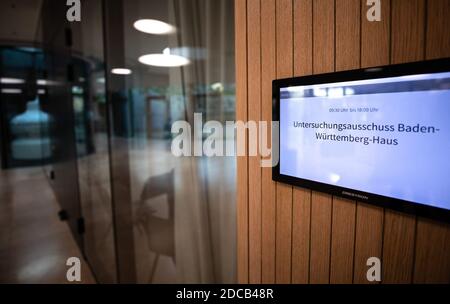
(11, 91)
(11, 80)
(152, 26)
(44, 82)
(164, 60)
(121, 71)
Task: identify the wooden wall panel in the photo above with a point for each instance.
(432, 248)
(375, 51)
(398, 247)
(438, 29)
(284, 66)
(407, 30)
(319, 267)
(348, 16)
(301, 197)
(407, 44)
(268, 73)
(323, 36)
(343, 241)
(375, 37)
(432, 260)
(254, 114)
(242, 161)
(348, 42)
(300, 236)
(321, 205)
(368, 239)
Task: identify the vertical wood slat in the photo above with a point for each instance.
(438, 29)
(407, 43)
(321, 204)
(254, 111)
(368, 239)
(407, 30)
(242, 162)
(348, 26)
(300, 235)
(375, 48)
(301, 207)
(268, 73)
(432, 258)
(375, 37)
(398, 247)
(284, 63)
(343, 241)
(321, 207)
(432, 261)
(344, 211)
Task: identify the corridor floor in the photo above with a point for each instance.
(34, 243)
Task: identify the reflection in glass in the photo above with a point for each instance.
(30, 141)
(91, 134)
(24, 118)
(182, 209)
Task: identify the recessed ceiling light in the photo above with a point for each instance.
(11, 91)
(46, 82)
(121, 71)
(43, 82)
(11, 80)
(152, 26)
(164, 60)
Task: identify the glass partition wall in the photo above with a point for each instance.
(93, 102)
(74, 68)
(90, 110)
(175, 216)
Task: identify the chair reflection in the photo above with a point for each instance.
(158, 230)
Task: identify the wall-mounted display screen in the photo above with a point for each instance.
(379, 135)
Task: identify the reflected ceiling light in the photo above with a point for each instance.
(41, 92)
(218, 86)
(121, 71)
(152, 26)
(319, 92)
(335, 92)
(349, 91)
(11, 91)
(77, 90)
(166, 59)
(334, 178)
(11, 80)
(196, 53)
(101, 80)
(44, 82)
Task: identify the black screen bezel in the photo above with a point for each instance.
(414, 68)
